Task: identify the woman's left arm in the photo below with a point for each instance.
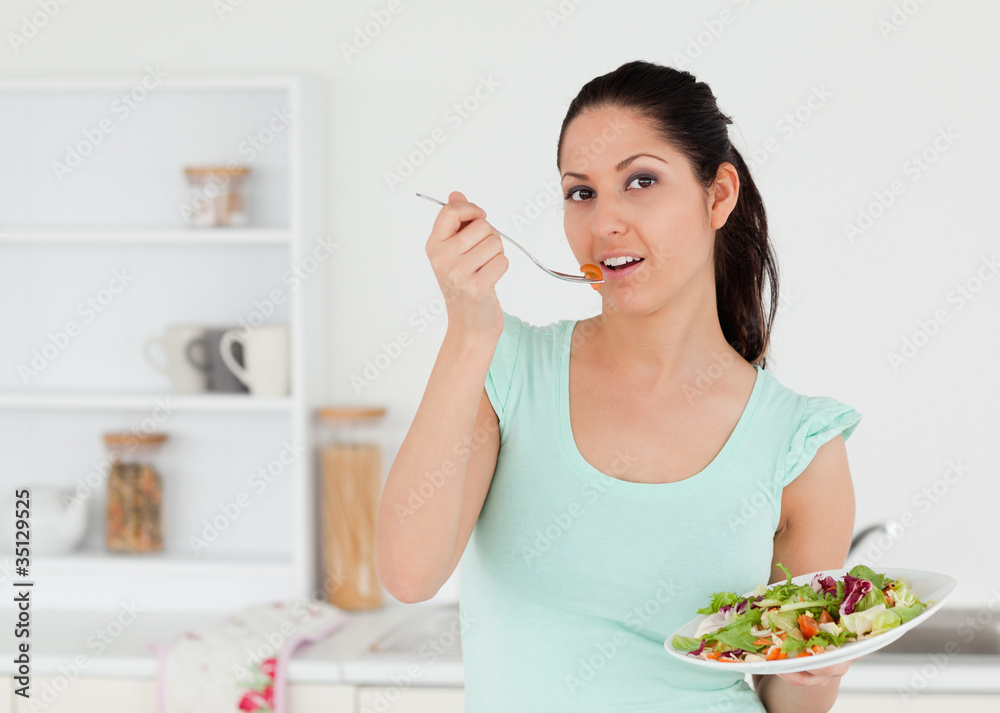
(814, 533)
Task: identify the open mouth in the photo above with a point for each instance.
(620, 263)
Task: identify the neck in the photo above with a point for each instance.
(666, 346)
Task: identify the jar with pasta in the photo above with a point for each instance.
(351, 463)
(135, 493)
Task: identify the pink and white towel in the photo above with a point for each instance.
(241, 663)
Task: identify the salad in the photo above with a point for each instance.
(790, 620)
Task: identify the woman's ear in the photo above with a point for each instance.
(724, 194)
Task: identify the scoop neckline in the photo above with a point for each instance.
(584, 468)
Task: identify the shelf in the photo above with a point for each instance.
(147, 236)
(103, 563)
(106, 401)
(69, 230)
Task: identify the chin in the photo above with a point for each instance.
(630, 303)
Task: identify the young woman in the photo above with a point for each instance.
(610, 474)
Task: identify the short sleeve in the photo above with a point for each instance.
(501, 373)
(821, 421)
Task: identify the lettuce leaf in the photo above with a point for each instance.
(784, 569)
(903, 593)
(737, 632)
(685, 643)
(872, 598)
(885, 620)
(719, 600)
(862, 572)
(782, 621)
(861, 622)
(907, 613)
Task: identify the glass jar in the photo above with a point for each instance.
(216, 198)
(135, 493)
(351, 464)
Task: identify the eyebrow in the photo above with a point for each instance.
(620, 167)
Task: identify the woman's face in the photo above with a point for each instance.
(628, 193)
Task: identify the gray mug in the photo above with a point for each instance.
(203, 354)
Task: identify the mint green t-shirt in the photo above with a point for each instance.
(573, 579)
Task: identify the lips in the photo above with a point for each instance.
(621, 266)
(621, 272)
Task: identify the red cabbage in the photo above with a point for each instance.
(731, 654)
(854, 590)
(824, 585)
(697, 652)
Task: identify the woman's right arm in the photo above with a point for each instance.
(439, 479)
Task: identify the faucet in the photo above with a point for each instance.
(890, 528)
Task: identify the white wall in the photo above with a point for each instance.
(847, 305)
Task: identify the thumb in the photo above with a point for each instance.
(456, 196)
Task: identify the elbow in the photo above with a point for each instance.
(402, 588)
(406, 592)
(411, 596)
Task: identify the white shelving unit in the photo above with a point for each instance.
(64, 235)
(229, 236)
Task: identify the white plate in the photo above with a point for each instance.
(931, 588)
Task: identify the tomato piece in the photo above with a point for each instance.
(592, 272)
(808, 626)
(825, 618)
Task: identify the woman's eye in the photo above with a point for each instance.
(575, 191)
(649, 179)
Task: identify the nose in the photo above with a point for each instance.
(608, 218)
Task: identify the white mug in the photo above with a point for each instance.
(185, 377)
(265, 356)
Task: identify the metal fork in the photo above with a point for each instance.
(560, 275)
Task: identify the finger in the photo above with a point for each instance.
(454, 216)
(835, 670)
(473, 234)
(483, 251)
(484, 281)
(459, 269)
(804, 678)
(494, 269)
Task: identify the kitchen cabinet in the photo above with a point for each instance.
(411, 700)
(129, 695)
(125, 695)
(97, 258)
(6, 694)
(321, 698)
(89, 695)
(919, 703)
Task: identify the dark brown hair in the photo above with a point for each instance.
(684, 113)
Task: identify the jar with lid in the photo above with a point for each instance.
(135, 493)
(351, 464)
(216, 197)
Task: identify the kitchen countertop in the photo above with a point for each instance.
(62, 640)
